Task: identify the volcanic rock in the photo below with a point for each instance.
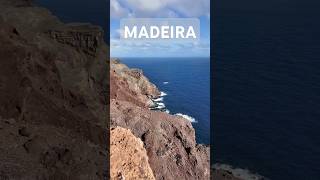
(129, 158)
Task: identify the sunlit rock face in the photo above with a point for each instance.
(128, 157)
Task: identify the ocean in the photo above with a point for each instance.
(185, 84)
(266, 93)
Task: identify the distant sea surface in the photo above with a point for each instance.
(266, 95)
(186, 83)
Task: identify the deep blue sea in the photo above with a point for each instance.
(266, 87)
(186, 81)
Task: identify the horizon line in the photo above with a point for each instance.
(162, 57)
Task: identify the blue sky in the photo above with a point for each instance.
(160, 9)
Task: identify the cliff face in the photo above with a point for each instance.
(128, 156)
(169, 140)
(131, 85)
(53, 96)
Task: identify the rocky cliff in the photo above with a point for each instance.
(53, 96)
(169, 140)
(131, 85)
(128, 156)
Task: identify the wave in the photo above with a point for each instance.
(165, 82)
(161, 105)
(158, 99)
(239, 173)
(189, 118)
(163, 94)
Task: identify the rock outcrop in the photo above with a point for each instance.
(129, 158)
(224, 172)
(53, 96)
(84, 37)
(168, 139)
(131, 85)
(219, 174)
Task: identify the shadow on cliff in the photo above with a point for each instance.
(53, 96)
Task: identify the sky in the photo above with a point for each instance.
(160, 9)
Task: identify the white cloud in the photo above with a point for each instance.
(122, 48)
(191, 8)
(159, 8)
(146, 5)
(117, 10)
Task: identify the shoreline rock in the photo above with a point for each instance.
(224, 171)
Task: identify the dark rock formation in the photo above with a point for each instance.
(227, 172)
(16, 3)
(53, 96)
(84, 37)
(218, 174)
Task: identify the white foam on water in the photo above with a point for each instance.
(163, 94)
(161, 105)
(165, 82)
(189, 118)
(158, 99)
(167, 111)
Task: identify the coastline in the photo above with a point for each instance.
(159, 105)
(186, 83)
(221, 172)
(218, 172)
(169, 139)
